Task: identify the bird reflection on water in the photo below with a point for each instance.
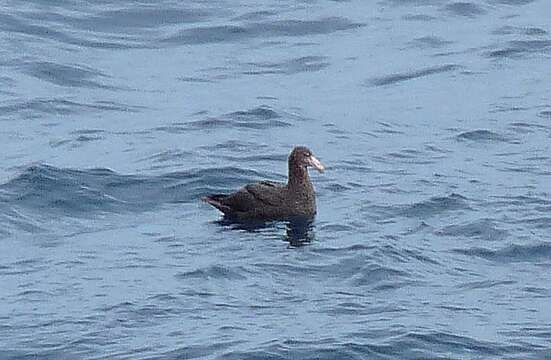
(298, 231)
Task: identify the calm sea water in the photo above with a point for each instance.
(432, 235)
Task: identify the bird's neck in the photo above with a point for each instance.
(299, 179)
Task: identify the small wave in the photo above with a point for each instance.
(482, 135)
(518, 30)
(381, 277)
(422, 209)
(484, 229)
(65, 75)
(396, 78)
(169, 155)
(59, 106)
(519, 48)
(436, 205)
(49, 190)
(542, 222)
(213, 272)
(513, 2)
(419, 17)
(466, 9)
(262, 117)
(430, 42)
(513, 253)
(233, 33)
(412, 345)
(289, 67)
(485, 284)
(135, 18)
(16, 25)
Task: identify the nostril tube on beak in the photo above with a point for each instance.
(315, 163)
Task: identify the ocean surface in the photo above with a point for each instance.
(432, 239)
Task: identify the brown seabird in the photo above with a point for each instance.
(267, 200)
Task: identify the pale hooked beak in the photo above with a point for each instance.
(315, 163)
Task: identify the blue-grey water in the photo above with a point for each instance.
(432, 238)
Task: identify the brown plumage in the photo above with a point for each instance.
(268, 200)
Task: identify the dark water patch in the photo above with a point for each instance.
(412, 345)
(137, 18)
(355, 309)
(44, 353)
(25, 267)
(255, 15)
(520, 48)
(514, 167)
(346, 250)
(429, 42)
(545, 114)
(58, 106)
(13, 24)
(435, 206)
(542, 222)
(505, 53)
(482, 136)
(442, 344)
(537, 291)
(74, 192)
(512, 2)
(436, 149)
(260, 118)
(14, 219)
(400, 254)
(194, 79)
(467, 9)
(381, 278)
(217, 272)
(58, 143)
(289, 67)
(485, 284)
(254, 159)
(65, 75)
(399, 77)
(500, 108)
(298, 232)
(88, 132)
(484, 229)
(419, 17)
(456, 309)
(235, 146)
(409, 254)
(88, 138)
(261, 112)
(512, 253)
(407, 156)
(414, 2)
(132, 316)
(336, 228)
(233, 33)
(199, 351)
(169, 155)
(521, 200)
(337, 188)
(518, 30)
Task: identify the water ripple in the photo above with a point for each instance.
(400, 77)
(73, 192)
(233, 33)
(512, 253)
